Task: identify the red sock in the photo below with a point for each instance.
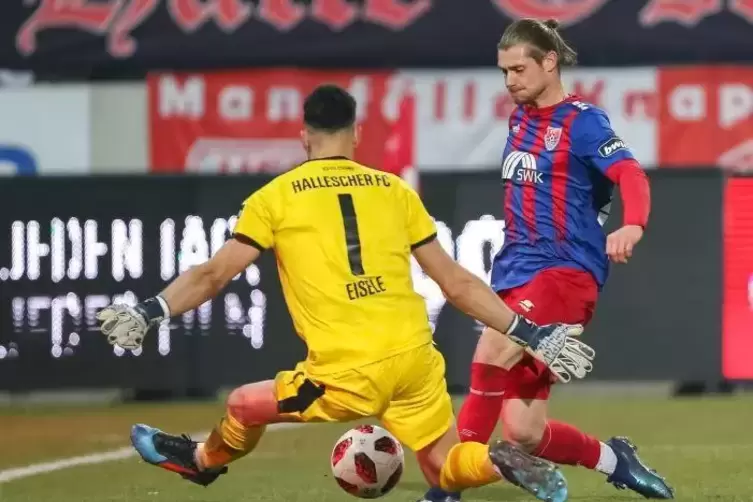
(480, 412)
(564, 444)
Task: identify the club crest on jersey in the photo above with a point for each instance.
(552, 137)
(516, 129)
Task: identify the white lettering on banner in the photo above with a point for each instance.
(244, 155)
(188, 99)
(738, 158)
(463, 116)
(181, 100)
(284, 103)
(735, 104)
(236, 103)
(67, 315)
(688, 103)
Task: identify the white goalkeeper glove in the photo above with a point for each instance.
(556, 346)
(127, 326)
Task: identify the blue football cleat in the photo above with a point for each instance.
(633, 474)
(439, 495)
(539, 477)
(173, 453)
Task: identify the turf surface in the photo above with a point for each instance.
(703, 446)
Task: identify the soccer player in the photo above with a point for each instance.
(343, 235)
(559, 166)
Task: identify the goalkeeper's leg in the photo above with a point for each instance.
(249, 409)
(453, 467)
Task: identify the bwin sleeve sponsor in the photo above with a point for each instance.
(611, 146)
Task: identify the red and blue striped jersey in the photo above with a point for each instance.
(557, 193)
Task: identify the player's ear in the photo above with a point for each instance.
(305, 139)
(549, 62)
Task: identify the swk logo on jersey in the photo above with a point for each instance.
(117, 19)
(521, 167)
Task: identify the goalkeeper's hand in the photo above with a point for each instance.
(556, 346)
(127, 326)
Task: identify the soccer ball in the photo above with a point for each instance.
(367, 462)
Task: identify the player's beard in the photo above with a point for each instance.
(529, 97)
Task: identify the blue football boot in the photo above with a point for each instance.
(173, 453)
(633, 474)
(439, 495)
(539, 477)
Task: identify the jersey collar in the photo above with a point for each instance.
(548, 110)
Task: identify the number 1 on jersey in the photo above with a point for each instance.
(352, 237)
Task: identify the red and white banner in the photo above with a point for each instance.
(706, 117)
(250, 120)
(737, 309)
(462, 116)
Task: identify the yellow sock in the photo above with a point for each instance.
(467, 466)
(229, 441)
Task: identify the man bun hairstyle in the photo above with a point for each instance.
(541, 37)
(329, 108)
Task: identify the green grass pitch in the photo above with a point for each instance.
(703, 446)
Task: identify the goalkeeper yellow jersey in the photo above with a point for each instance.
(343, 234)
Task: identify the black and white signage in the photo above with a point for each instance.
(69, 247)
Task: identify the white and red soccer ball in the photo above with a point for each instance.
(367, 462)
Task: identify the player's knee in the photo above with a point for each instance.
(526, 434)
(496, 349)
(253, 404)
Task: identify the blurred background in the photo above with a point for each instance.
(131, 131)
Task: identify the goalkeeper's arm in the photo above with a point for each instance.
(202, 282)
(468, 293)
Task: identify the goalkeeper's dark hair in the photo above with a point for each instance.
(541, 37)
(329, 109)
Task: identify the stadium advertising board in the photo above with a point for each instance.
(84, 38)
(738, 279)
(96, 240)
(250, 120)
(44, 130)
(706, 117)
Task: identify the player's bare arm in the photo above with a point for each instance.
(126, 326)
(553, 344)
(463, 289)
(203, 282)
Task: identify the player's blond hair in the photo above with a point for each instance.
(541, 37)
